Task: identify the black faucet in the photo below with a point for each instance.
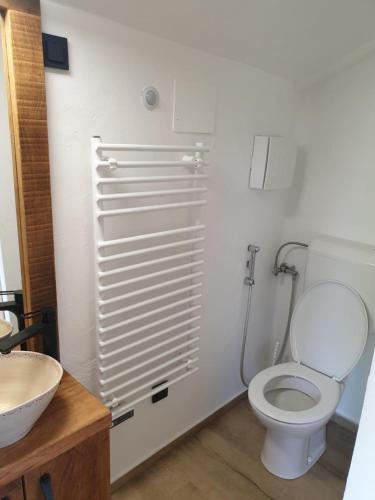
(45, 327)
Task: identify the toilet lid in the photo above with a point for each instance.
(328, 330)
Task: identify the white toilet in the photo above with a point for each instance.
(329, 327)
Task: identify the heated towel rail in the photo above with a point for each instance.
(148, 267)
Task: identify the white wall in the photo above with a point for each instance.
(334, 191)
(110, 64)
(10, 269)
(361, 479)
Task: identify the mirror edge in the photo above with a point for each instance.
(24, 74)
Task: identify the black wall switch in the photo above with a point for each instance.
(161, 394)
(55, 51)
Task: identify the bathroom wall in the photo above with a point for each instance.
(334, 188)
(100, 95)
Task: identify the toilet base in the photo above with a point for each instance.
(289, 456)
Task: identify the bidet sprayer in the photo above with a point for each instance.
(253, 250)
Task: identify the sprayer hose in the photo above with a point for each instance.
(287, 329)
(285, 340)
(244, 337)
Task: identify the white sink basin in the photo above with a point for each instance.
(28, 382)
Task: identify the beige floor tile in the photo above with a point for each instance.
(221, 462)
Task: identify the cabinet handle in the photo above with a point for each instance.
(46, 486)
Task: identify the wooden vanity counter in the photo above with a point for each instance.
(70, 442)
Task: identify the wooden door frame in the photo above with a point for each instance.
(24, 74)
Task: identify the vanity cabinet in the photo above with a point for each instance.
(80, 472)
(65, 456)
(12, 491)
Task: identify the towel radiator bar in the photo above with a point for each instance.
(146, 282)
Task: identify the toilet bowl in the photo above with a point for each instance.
(295, 400)
(294, 403)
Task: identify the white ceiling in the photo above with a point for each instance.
(298, 39)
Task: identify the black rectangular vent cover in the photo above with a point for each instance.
(124, 417)
(159, 395)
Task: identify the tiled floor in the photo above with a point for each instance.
(221, 462)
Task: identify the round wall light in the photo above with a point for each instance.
(150, 97)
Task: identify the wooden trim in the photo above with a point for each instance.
(30, 6)
(24, 68)
(146, 464)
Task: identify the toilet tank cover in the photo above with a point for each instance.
(329, 326)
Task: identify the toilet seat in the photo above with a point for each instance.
(330, 392)
(328, 329)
